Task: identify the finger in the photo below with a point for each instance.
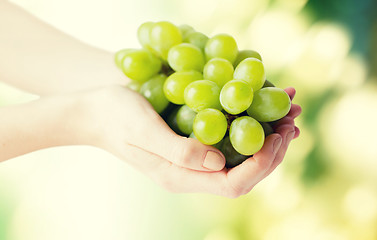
(182, 151)
(291, 92)
(284, 121)
(287, 132)
(175, 178)
(295, 111)
(183, 180)
(244, 177)
(297, 132)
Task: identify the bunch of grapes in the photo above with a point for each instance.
(205, 88)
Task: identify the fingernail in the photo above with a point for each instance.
(277, 144)
(290, 135)
(214, 161)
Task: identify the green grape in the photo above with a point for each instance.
(246, 54)
(269, 104)
(267, 128)
(185, 119)
(252, 71)
(140, 65)
(216, 145)
(233, 158)
(135, 86)
(268, 84)
(176, 83)
(218, 70)
(171, 120)
(210, 126)
(197, 38)
(152, 90)
(222, 46)
(185, 30)
(143, 35)
(236, 96)
(185, 56)
(246, 135)
(202, 94)
(119, 56)
(163, 36)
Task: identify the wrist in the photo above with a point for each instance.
(43, 123)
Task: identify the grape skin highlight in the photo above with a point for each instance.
(185, 56)
(210, 126)
(236, 96)
(202, 94)
(269, 104)
(246, 135)
(218, 70)
(222, 46)
(140, 65)
(252, 71)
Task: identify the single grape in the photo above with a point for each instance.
(218, 70)
(246, 135)
(176, 83)
(268, 84)
(119, 56)
(246, 54)
(233, 158)
(269, 104)
(202, 94)
(210, 126)
(185, 56)
(222, 46)
(185, 119)
(152, 90)
(216, 145)
(236, 96)
(135, 86)
(163, 36)
(252, 71)
(171, 120)
(143, 35)
(197, 38)
(140, 65)
(185, 30)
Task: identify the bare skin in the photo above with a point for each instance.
(83, 102)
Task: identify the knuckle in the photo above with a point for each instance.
(168, 184)
(168, 180)
(231, 191)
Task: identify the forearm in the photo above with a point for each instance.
(40, 59)
(47, 122)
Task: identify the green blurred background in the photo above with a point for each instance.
(326, 188)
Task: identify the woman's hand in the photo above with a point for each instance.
(124, 123)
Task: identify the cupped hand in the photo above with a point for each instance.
(124, 123)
